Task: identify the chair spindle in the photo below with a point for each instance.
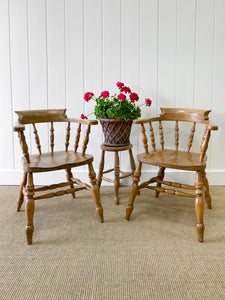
(152, 136)
(86, 139)
(52, 137)
(176, 135)
(77, 138)
(191, 137)
(204, 145)
(144, 138)
(67, 136)
(24, 146)
(161, 135)
(37, 139)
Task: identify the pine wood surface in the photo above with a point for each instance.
(54, 160)
(176, 158)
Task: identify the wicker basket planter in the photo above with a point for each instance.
(116, 132)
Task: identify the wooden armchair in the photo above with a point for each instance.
(175, 158)
(53, 160)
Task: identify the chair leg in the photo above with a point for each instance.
(116, 178)
(101, 168)
(21, 195)
(29, 208)
(133, 190)
(208, 198)
(95, 192)
(199, 204)
(69, 175)
(161, 174)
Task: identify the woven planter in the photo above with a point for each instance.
(116, 132)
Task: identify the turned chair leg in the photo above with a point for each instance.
(133, 191)
(161, 174)
(199, 205)
(95, 192)
(21, 192)
(208, 198)
(69, 175)
(101, 168)
(29, 208)
(116, 178)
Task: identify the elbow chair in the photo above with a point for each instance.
(53, 160)
(175, 158)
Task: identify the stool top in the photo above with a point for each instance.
(112, 148)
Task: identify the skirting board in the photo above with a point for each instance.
(10, 177)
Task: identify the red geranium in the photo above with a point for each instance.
(88, 96)
(148, 102)
(121, 97)
(105, 94)
(83, 116)
(125, 89)
(134, 97)
(120, 84)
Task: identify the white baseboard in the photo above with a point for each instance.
(11, 177)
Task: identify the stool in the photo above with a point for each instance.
(116, 168)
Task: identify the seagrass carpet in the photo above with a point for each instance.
(153, 256)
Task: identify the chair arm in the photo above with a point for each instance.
(211, 127)
(143, 121)
(19, 127)
(83, 121)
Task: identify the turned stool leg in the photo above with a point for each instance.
(133, 191)
(101, 168)
(95, 192)
(69, 175)
(21, 195)
(199, 205)
(116, 178)
(29, 208)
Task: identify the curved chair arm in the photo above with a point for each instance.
(18, 127)
(211, 127)
(83, 121)
(143, 121)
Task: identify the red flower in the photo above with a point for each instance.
(148, 102)
(120, 84)
(105, 94)
(88, 96)
(134, 97)
(121, 97)
(125, 89)
(83, 116)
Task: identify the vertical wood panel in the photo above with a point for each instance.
(167, 49)
(204, 53)
(38, 66)
(19, 65)
(185, 53)
(74, 56)
(93, 64)
(56, 53)
(6, 136)
(130, 57)
(218, 106)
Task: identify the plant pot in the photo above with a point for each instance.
(116, 132)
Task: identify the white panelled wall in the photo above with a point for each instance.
(52, 51)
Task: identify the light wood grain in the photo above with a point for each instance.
(175, 159)
(53, 160)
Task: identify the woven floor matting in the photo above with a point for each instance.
(153, 256)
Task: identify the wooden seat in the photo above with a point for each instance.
(181, 159)
(54, 160)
